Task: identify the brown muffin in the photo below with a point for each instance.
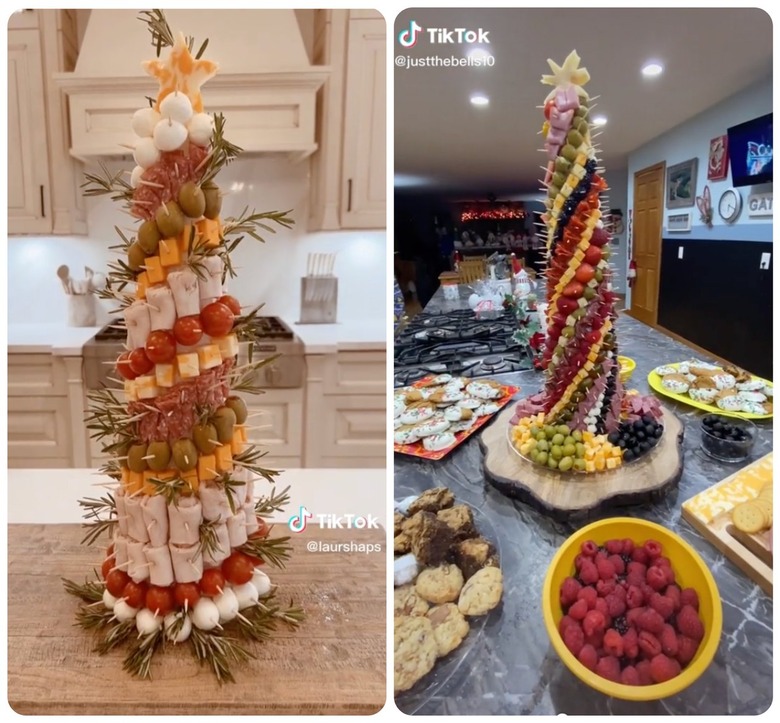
(431, 540)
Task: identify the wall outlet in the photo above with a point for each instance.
(680, 250)
(765, 259)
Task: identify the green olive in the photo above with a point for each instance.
(575, 138)
(160, 456)
(205, 437)
(135, 458)
(213, 202)
(185, 454)
(239, 407)
(149, 237)
(224, 421)
(170, 219)
(135, 256)
(192, 200)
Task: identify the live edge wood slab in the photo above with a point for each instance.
(575, 496)
(334, 664)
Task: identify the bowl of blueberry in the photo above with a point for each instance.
(727, 439)
(636, 438)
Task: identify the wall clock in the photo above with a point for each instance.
(730, 205)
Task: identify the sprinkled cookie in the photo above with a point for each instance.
(469, 403)
(415, 651)
(676, 383)
(439, 584)
(438, 442)
(753, 385)
(449, 627)
(406, 435)
(483, 390)
(482, 592)
(486, 409)
(665, 370)
(458, 414)
(415, 415)
(435, 425)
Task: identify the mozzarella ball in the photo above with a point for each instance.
(205, 614)
(144, 121)
(246, 595)
(262, 582)
(146, 153)
(227, 604)
(109, 600)
(147, 622)
(186, 627)
(135, 176)
(200, 129)
(176, 106)
(169, 135)
(123, 612)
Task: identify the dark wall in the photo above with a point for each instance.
(717, 297)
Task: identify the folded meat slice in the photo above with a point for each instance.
(214, 557)
(185, 288)
(138, 323)
(187, 562)
(215, 502)
(121, 511)
(184, 518)
(237, 528)
(251, 518)
(121, 561)
(162, 308)
(160, 567)
(155, 512)
(210, 281)
(139, 567)
(136, 527)
(250, 487)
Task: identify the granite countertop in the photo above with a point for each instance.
(515, 670)
(349, 335)
(57, 339)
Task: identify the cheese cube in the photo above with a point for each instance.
(209, 356)
(578, 171)
(187, 365)
(613, 463)
(191, 478)
(581, 159)
(150, 487)
(135, 483)
(224, 458)
(210, 232)
(170, 253)
(579, 254)
(593, 356)
(228, 346)
(236, 445)
(184, 240)
(142, 281)
(207, 467)
(125, 478)
(566, 190)
(588, 365)
(146, 387)
(131, 392)
(154, 270)
(558, 203)
(164, 374)
(590, 465)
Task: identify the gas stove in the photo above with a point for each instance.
(457, 343)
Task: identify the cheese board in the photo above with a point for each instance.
(710, 513)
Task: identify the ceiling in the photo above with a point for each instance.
(444, 142)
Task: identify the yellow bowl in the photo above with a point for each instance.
(627, 367)
(690, 571)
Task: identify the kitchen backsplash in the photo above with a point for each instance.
(268, 272)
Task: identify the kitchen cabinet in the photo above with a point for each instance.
(43, 179)
(349, 169)
(275, 424)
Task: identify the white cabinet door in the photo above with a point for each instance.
(28, 174)
(275, 422)
(39, 432)
(363, 178)
(352, 431)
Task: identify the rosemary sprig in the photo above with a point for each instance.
(259, 621)
(110, 294)
(218, 652)
(107, 183)
(91, 618)
(108, 416)
(97, 525)
(208, 541)
(249, 459)
(116, 636)
(292, 616)
(90, 591)
(241, 378)
(176, 627)
(274, 550)
(162, 35)
(266, 506)
(111, 468)
(248, 222)
(227, 483)
(171, 489)
(244, 326)
(222, 151)
(139, 659)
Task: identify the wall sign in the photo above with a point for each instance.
(759, 204)
(678, 222)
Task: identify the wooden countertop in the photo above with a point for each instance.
(334, 664)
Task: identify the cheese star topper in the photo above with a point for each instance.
(569, 73)
(181, 72)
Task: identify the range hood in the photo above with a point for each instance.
(266, 86)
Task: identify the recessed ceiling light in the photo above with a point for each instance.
(599, 120)
(481, 54)
(650, 70)
(479, 99)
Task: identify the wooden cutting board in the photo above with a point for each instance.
(334, 664)
(710, 513)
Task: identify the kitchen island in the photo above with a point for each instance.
(514, 669)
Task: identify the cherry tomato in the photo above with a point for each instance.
(106, 567)
(262, 529)
(548, 106)
(110, 550)
(123, 366)
(238, 568)
(135, 594)
(116, 581)
(592, 255)
(186, 592)
(213, 582)
(187, 330)
(160, 600)
(573, 290)
(161, 347)
(593, 337)
(217, 319)
(140, 362)
(600, 237)
(584, 273)
(231, 302)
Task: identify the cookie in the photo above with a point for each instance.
(458, 414)
(463, 426)
(483, 390)
(662, 371)
(676, 383)
(431, 540)
(469, 403)
(406, 435)
(402, 543)
(438, 380)
(415, 651)
(433, 426)
(437, 442)
(439, 584)
(415, 415)
(752, 385)
(449, 627)
(445, 396)
(707, 396)
(460, 519)
(398, 407)
(398, 522)
(746, 396)
(432, 500)
(474, 554)
(407, 602)
(482, 592)
(724, 381)
(483, 410)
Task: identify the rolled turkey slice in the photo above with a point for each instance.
(237, 529)
(215, 503)
(185, 288)
(213, 558)
(250, 487)
(121, 511)
(210, 284)
(251, 518)
(187, 562)
(139, 567)
(138, 323)
(155, 512)
(136, 527)
(121, 560)
(162, 308)
(184, 518)
(160, 567)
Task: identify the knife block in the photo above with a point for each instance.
(319, 299)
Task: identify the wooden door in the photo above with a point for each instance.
(648, 222)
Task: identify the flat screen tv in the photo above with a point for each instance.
(750, 151)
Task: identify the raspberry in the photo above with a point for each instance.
(602, 607)
(668, 639)
(674, 594)
(588, 657)
(566, 621)
(663, 561)
(635, 579)
(578, 561)
(629, 676)
(569, 590)
(689, 596)
(605, 569)
(597, 641)
(653, 549)
(605, 587)
(588, 572)
(620, 592)
(613, 643)
(617, 563)
(686, 649)
(609, 667)
(656, 578)
(670, 578)
(635, 597)
(578, 610)
(614, 547)
(633, 615)
(574, 639)
(637, 568)
(589, 548)
(594, 621)
(663, 668)
(662, 605)
(688, 622)
(643, 670)
(615, 606)
(647, 643)
(640, 555)
(631, 643)
(651, 621)
(588, 594)
(628, 546)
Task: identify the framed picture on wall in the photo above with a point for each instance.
(681, 184)
(678, 222)
(718, 163)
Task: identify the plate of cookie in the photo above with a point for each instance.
(715, 388)
(439, 412)
(448, 583)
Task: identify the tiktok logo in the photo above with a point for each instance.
(408, 38)
(297, 523)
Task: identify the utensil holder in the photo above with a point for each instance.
(82, 310)
(319, 299)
